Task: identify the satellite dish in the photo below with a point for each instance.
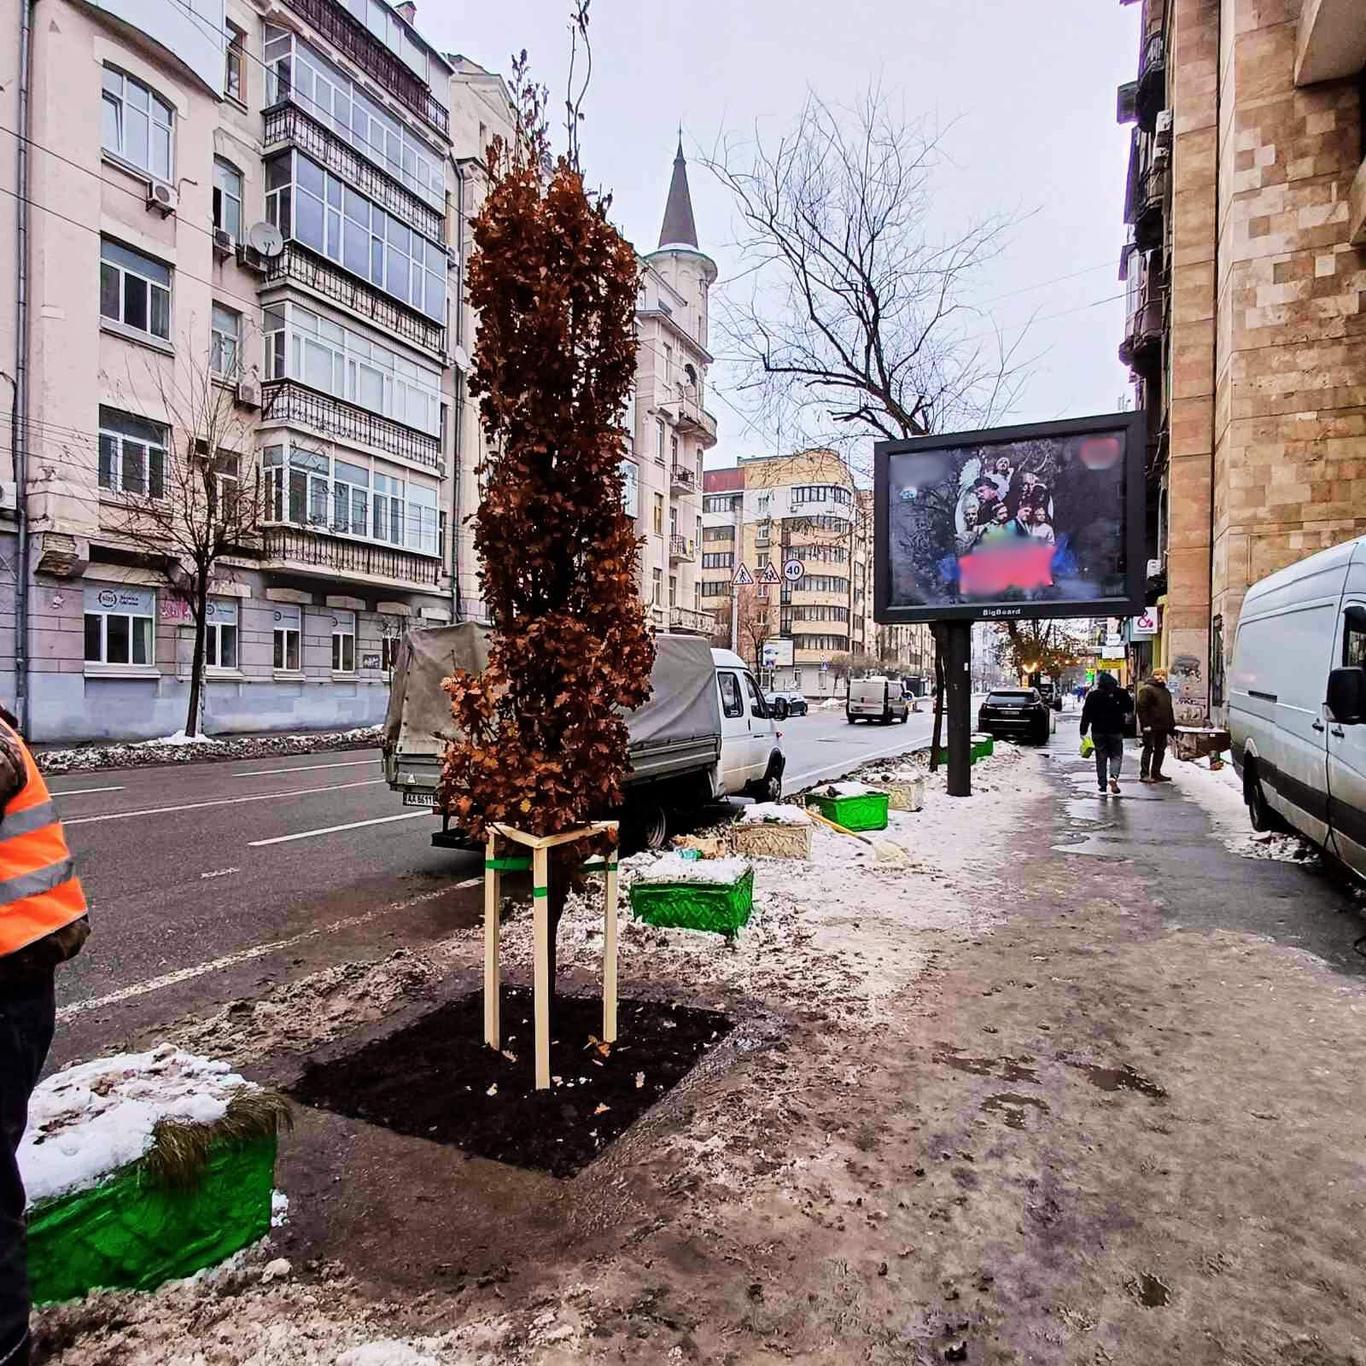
(266, 239)
(460, 358)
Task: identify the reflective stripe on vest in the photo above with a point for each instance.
(39, 890)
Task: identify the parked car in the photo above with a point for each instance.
(704, 732)
(1297, 701)
(876, 699)
(785, 704)
(1015, 714)
(1052, 697)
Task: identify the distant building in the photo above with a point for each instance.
(1246, 208)
(772, 511)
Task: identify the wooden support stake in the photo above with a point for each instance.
(493, 886)
(540, 902)
(609, 951)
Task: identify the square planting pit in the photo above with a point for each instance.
(437, 1080)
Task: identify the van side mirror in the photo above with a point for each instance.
(1347, 696)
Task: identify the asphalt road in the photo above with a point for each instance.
(212, 881)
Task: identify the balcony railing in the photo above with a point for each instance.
(682, 479)
(692, 417)
(1142, 344)
(298, 265)
(351, 38)
(1151, 95)
(686, 619)
(316, 553)
(288, 125)
(289, 401)
(681, 549)
(1150, 210)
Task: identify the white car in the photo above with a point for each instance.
(1297, 701)
(876, 699)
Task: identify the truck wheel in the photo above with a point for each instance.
(1260, 812)
(769, 788)
(905, 716)
(646, 827)
(850, 719)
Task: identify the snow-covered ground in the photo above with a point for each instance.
(1220, 793)
(182, 749)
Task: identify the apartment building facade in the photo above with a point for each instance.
(1246, 208)
(803, 508)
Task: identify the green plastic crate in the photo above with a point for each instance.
(719, 907)
(865, 812)
(131, 1233)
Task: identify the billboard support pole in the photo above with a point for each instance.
(958, 703)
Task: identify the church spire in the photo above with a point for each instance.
(679, 228)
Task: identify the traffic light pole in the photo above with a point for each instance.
(958, 703)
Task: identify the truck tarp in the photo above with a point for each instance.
(682, 704)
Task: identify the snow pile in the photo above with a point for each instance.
(88, 1121)
(391, 1353)
(846, 790)
(1220, 793)
(181, 749)
(773, 813)
(676, 868)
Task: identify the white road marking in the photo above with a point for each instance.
(218, 801)
(302, 768)
(333, 829)
(83, 791)
(171, 979)
(219, 872)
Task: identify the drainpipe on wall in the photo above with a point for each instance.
(19, 410)
(457, 610)
(1214, 365)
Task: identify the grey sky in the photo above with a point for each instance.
(1024, 88)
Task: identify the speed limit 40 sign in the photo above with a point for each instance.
(793, 570)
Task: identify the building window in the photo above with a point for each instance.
(718, 559)
(305, 346)
(630, 488)
(132, 454)
(135, 290)
(120, 626)
(227, 197)
(668, 365)
(313, 489)
(659, 440)
(233, 86)
(220, 635)
(136, 124)
(286, 638)
(657, 515)
(715, 588)
(718, 533)
(343, 642)
(314, 207)
(657, 586)
(225, 342)
(295, 71)
(673, 590)
(821, 493)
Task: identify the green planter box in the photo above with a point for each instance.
(983, 747)
(865, 812)
(132, 1233)
(720, 907)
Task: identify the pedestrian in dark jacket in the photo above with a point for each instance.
(1156, 721)
(1105, 714)
(42, 923)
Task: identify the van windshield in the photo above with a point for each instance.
(1009, 699)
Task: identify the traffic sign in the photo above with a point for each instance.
(793, 570)
(769, 574)
(743, 578)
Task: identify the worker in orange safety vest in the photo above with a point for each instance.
(43, 922)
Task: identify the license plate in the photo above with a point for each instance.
(422, 797)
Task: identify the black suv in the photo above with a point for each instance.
(1015, 714)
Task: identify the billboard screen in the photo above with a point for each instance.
(1038, 521)
(777, 653)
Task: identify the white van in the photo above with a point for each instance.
(751, 754)
(876, 699)
(1297, 701)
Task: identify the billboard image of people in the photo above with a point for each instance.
(1023, 521)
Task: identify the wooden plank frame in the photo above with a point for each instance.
(540, 846)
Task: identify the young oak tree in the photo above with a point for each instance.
(544, 742)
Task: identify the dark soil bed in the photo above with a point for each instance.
(436, 1079)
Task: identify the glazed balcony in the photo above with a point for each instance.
(318, 555)
(286, 125)
(352, 39)
(296, 264)
(681, 550)
(1141, 348)
(288, 402)
(1150, 96)
(1150, 207)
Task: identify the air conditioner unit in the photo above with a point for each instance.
(165, 199)
(222, 243)
(1162, 130)
(9, 495)
(251, 259)
(248, 394)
